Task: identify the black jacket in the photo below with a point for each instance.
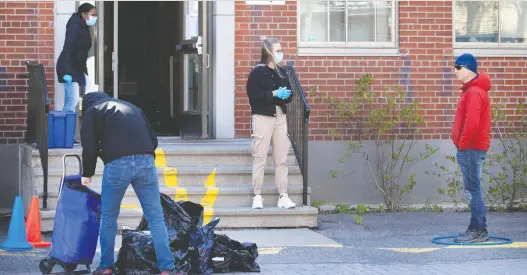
(112, 129)
(261, 83)
(77, 44)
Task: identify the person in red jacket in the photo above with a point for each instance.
(471, 136)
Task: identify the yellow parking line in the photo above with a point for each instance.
(171, 180)
(269, 250)
(511, 245)
(211, 179)
(263, 251)
(129, 206)
(210, 197)
(160, 158)
(411, 250)
(170, 175)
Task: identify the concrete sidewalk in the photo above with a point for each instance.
(387, 243)
(502, 267)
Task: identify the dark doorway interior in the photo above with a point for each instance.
(148, 34)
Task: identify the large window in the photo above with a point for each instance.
(491, 24)
(346, 27)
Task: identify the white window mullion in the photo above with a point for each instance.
(499, 24)
(328, 24)
(375, 21)
(395, 22)
(346, 21)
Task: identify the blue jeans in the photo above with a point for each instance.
(71, 96)
(141, 172)
(471, 164)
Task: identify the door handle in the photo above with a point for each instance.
(208, 60)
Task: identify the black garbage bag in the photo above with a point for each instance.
(137, 254)
(193, 245)
(202, 243)
(186, 218)
(237, 257)
(181, 216)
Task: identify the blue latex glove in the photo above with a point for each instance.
(283, 93)
(67, 78)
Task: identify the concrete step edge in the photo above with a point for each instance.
(188, 170)
(200, 190)
(220, 211)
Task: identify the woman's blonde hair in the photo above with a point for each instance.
(267, 52)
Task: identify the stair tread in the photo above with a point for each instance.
(190, 190)
(178, 148)
(223, 169)
(218, 211)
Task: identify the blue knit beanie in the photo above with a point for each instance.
(468, 61)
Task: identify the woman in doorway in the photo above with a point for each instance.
(269, 91)
(71, 65)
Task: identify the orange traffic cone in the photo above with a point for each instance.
(33, 233)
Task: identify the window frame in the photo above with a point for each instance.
(337, 48)
(486, 49)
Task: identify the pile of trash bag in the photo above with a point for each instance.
(196, 248)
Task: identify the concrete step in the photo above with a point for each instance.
(225, 196)
(184, 177)
(231, 217)
(174, 155)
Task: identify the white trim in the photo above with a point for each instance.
(265, 2)
(224, 84)
(62, 11)
(346, 51)
(492, 52)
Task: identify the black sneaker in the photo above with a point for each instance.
(473, 236)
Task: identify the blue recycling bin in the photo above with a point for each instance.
(61, 129)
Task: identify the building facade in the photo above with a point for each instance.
(410, 44)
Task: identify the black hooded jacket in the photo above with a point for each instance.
(77, 44)
(112, 129)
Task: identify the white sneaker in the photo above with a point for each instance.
(285, 202)
(257, 202)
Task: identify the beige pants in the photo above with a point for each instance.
(266, 131)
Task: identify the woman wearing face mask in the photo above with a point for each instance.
(71, 64)
(269, 91)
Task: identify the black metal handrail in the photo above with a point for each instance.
(298, 127)
(37, 121)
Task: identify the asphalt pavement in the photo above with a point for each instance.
(386, 243)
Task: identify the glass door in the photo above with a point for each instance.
(196, 120)
(205, 9)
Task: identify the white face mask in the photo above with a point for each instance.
(278, 57)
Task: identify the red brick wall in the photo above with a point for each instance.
(26, 33)
(424, 68)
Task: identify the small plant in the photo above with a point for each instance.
(436, 208)
(506, 166)
(392, 122)
(360, 211)
(359, 219)
(453, 179)
(318, 204)
(342, 209)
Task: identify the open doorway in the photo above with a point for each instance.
(149, 68)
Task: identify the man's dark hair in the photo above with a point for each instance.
(85, 8)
